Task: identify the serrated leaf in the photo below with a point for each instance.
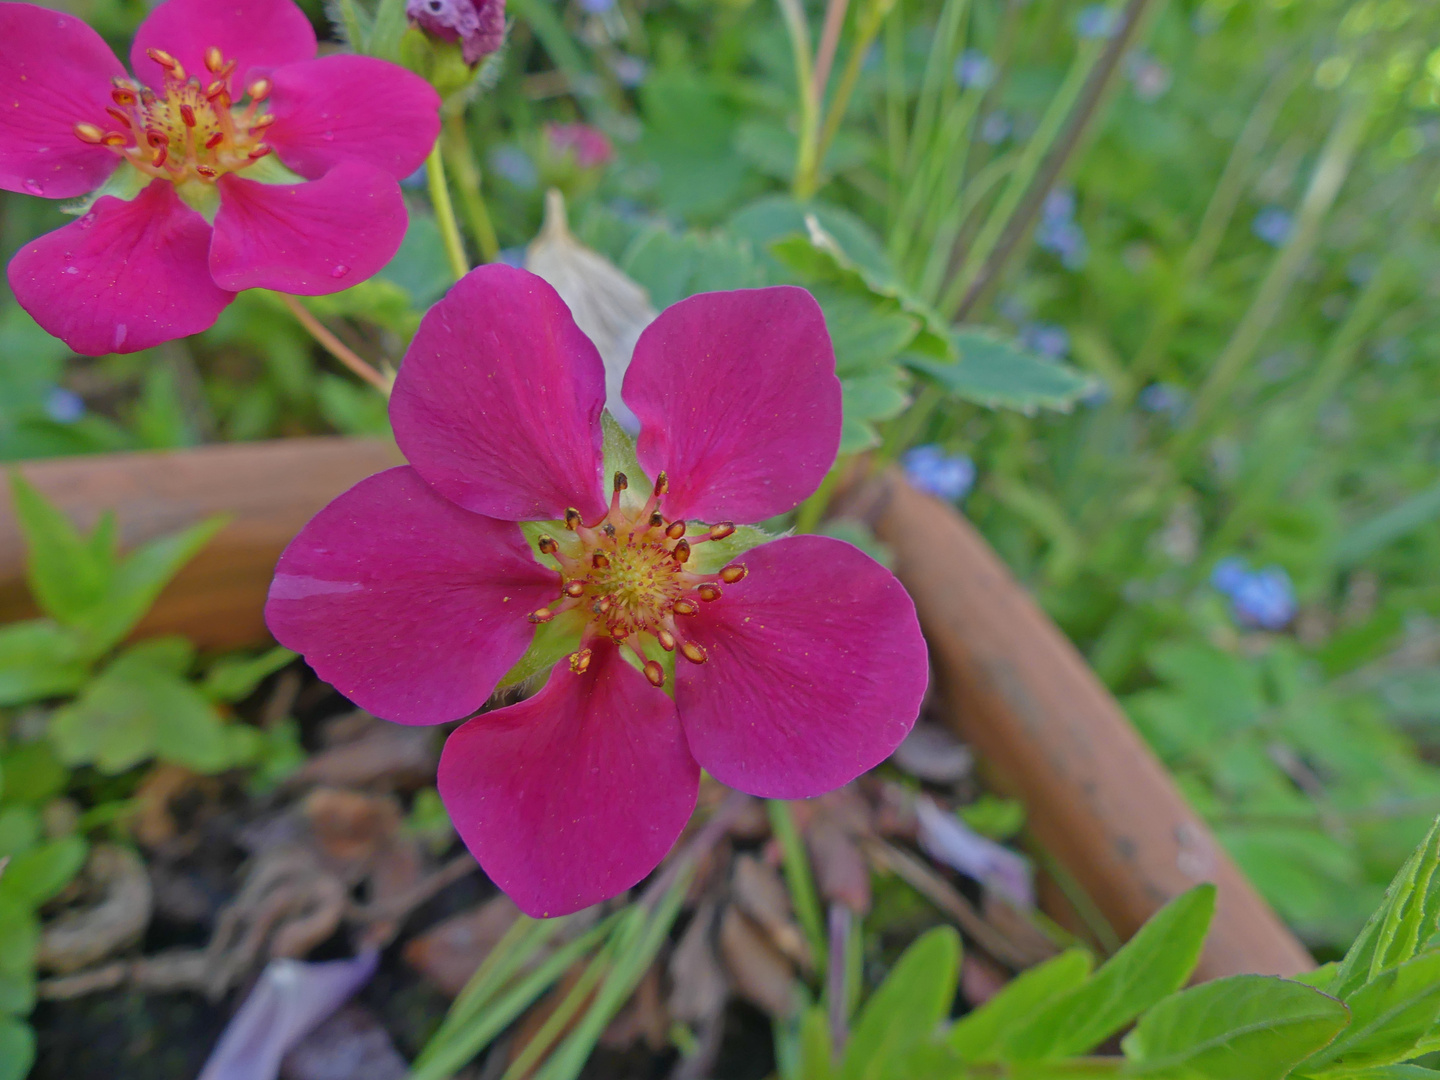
(874, 397)
(997, 372)
(17, 1049)
(235, 678)
(33, 877)
(865, 333)
(1403, 923)
(773, 216)
(978, 1035)
(137, 581)
(1389, 1015)
(67, 574)
(1246, 1027)
(907, 1006)
(39, 659)
(1152, 964)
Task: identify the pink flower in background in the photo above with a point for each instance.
(786, 673)
(591, 147)
(233, 159)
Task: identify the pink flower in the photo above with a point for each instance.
(590, 145)
(201, 193)
(784, 674)
(479, 25)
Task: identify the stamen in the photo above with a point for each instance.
(260, 89)
(214, 140)
(263, 122)
(685, 607)
(207, 172)
(214, 58)
(123, 97)
(160, 156)
(710, 593)
(187, 115)
(121, 118)
(114, 138)
(682, 551)
(662, 484)
(547, 545)
(721, 529)
(574, 588)
(572, 519)
(600, 561)
(579, 661)
(675, 530)
(89, 133)
(666, 639)
(657, 520)
(731, 574)
(694, 653)
(541, 615)
(621, 482)
(259, 152)
(655, 673)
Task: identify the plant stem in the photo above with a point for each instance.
(334, 346)
(806, 166)
(829, 42)
(798, 877)
(461, 156)
(836, 989)
(445, 212)
(870, 21)
(813, 508)
(985, 265)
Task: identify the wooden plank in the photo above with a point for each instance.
(1021, 694)
(268, 489)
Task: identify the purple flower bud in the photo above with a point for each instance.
(479, 25)
(946, 476)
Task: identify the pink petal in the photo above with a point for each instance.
(126, 276)
(815, 672)
(409, 606)
(498, 401)
(340, 108)
(309, 239)
(574, 795)
(738, 402)
(259, 35)
(54, 73)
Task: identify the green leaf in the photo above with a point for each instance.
(19, 829)
(17, 1049)
(66, 572)
(17, 992)
(138, 708)
(1389, 1015)
(32, 775)
(19, 937)
(235, 678)
(138, 581)
(33, 877)
(997, 372)
(1152, 964)
(907, 1006)
(39, 659)
(1246, 1027)
(815, 1045)
(1401, 925)
(979, 1035)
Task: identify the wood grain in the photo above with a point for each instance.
(1021, 694)
(268, 489)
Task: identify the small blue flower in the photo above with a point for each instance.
(1163, 398)
(1272, 225)
(1048, 339)
(1148, 76)
(932, 470)
(64, 406)
(514, 165)
(597, 7)
(996, 128)
(1229, 573)
(1059, 206)
(1264, 600)
(974, 71)
(630, 70)
(1096, 21)
(415, 181)
(1059, 232)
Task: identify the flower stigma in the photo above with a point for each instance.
(189, 131)
(628, 573)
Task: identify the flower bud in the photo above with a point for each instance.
(479, 25)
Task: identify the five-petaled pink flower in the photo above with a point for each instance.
(233, 159)
(794, 665)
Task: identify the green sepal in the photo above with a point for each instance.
(552, 642)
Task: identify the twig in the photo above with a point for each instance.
(460, 867)
(334, 346)
(708, 836)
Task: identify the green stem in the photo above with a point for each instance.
(870, 22)
(445, 212)
(799, 878)
(461, 159)
(807, 167)
(813, 508)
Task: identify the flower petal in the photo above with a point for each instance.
(309, 239)
(126, 276)
(259, 35)
(340, 108)
(815, 672)
(738, 402)
(574, 795)
(409, 606)
(498, 401)
(54, 73)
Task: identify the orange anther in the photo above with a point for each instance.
(692, 652)
(732, 574)
(259, 152)
(675, 530)
(187, 114)
(721, 529)
(206, 171)
(214, 140)
(621, 481)
(214, 58)
(709, 592)
(114, 138)
(666, 639)
(89, 133)
(682, 551)
(122, 96)
(541, 615)
(580, 661)
(574, 588)
(260, 89)
(655, 673)
(685, 607)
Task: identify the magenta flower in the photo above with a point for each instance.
(784, 674)
(590, 146)
(234, 159)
